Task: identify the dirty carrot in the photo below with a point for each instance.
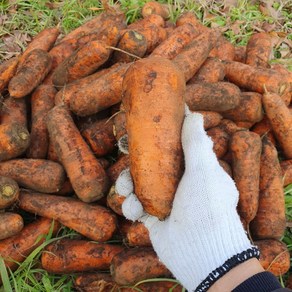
(115, 201)
(286, 166)
(9, 192)
(7, 71)
(10, 224)
(154, 7)
(211, 119)
(223, 49)
(138, 235)
(114, 171)
(220, 141)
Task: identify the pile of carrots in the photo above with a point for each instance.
(66, 104)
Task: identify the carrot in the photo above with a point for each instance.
(246, 150)
(14, 111)
(154, 81)
(100, 94)
(34, 69)
(42, 101)
(64, 95)
(10, 225)
(7, 71)
(92, 221)
(152, 19)
(229, 127)
(190, 17)
(240, 54)
(258, 50)
(253, 78)
(219, 97)
(248, 110)
(282, 70)
(274, 256)
(199, 47)
(263, 128)
(211, 119)
(174, 44)
(119, 127)
(99, 136)
(114, 171)
(15, 249)
(44, 41)
(270, 220)
(245, 125)
(133, 265)
(81, 63)
(223, 50)
(154, 7)
(280, 119)
(133, 43)
(211, 71)
(36, 174)
(70, 256)
(220, 141)
(286, 166)
(138, 235)
(87, 176)
(225, 165)
(52, 154)
(115, 201)
(9, 192)
(14, 140)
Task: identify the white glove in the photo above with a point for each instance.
(203, 238)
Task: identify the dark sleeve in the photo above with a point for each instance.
(261, 282)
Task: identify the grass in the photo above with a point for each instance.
(20, 20)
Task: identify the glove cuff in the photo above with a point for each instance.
(232, 262)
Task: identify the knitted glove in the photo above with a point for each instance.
(203, 238)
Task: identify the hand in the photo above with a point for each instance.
(203, 238)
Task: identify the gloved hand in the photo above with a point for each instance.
(203, 238)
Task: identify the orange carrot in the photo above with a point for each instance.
(9, 192)
(281, 121)
(286, 166)
(71, 256)
(7, 71)
(92, 221)
(211, 71)
(246, 150)
(115, 201)
(258, 50)
(100, 94)
(42, 101)
(87, 176)
(15, 249)
(223, 50)
(34, 69)
(264, 128)
(220, 141)
(154, 7)
(119, 127)
(14, 140)
(229, 127)
(157, 81)
(211, 119)
(270, 221)
(189, 17)
(152, 19)
(81, 63)
(134, 265)
(240, 54)
(138, 235)
(245, 125)
(114, 171)
(10, 225)
(36, 174)
(219, 97)
(99, 136)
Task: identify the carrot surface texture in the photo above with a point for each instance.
(153, 91)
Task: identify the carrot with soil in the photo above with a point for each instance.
(286, 166)
(220, 141)
(7, 71)
(10, 225)
(154, 7)
(9, 192)
(138, 235)
(114, 170)
(115, 201)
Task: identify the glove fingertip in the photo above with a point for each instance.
(124, 184)
(132, 208)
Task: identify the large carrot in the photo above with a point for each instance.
(258, 50)
(81, 63)
(7, 71)
(34, 69)
(274, 256)
(134, 265)
(154, 81)
(154, 7)
(220, 141)
(14, 140)
(15, 249)
(36, 174)
(246, 150)
(92, 221)
(173, 45)
(87, 176)
(100, 94)
(44, 41)
(280, 119)
(71, 256)
(190, 17)
(254, 79)
(199, 47)
(10, 224)
(100, 137)
(219, 97)
(223, 49)
(270, 221)
(9, 192)
(286, 166)
(114, 171)
(42, 101)
(138, 235)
